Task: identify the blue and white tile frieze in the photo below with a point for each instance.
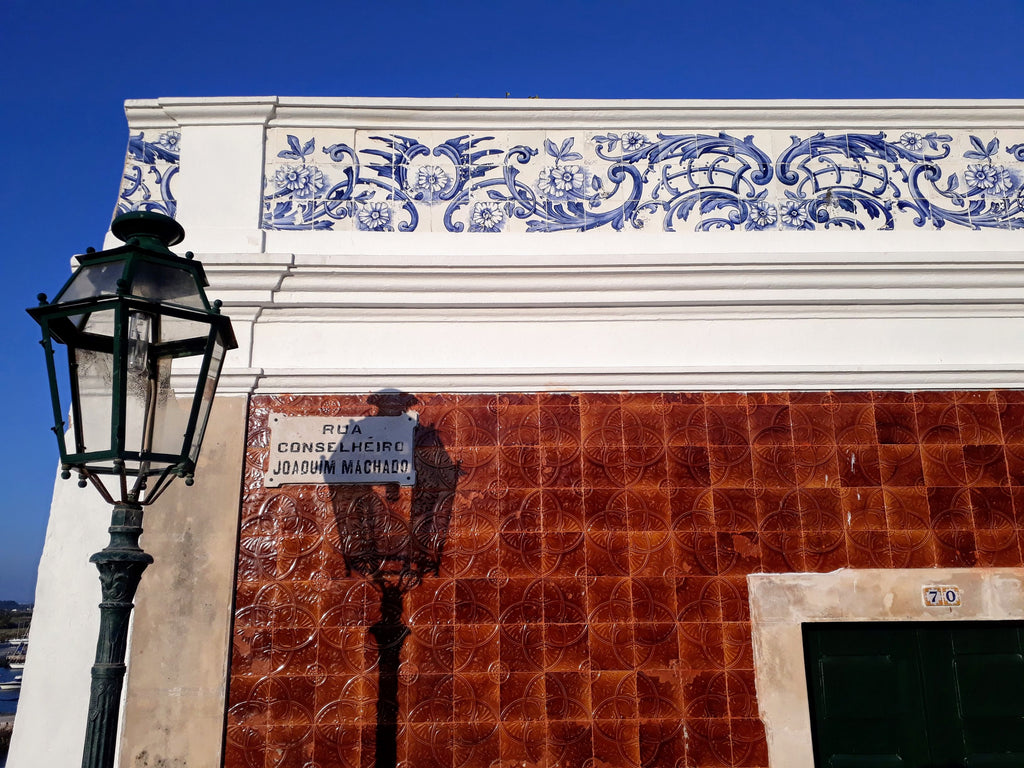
(633, 179)
(150, 167)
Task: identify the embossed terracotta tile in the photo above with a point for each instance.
(896, 423)
(950, 509)
(912, 549)
(566, 648)
(1014, 454)
(609, 600)
(733, 596)
(998, 548)
(520, 466)
(938, 424)
(855, 424)
(738, 553)
(985, 465)
(816, 466)
(992, 508)
(770, 425)
(731, 466)
(606, 510)
(522, 696)
(656, 648)
(864, 509)
(955, 549)
(778, 510)
(619, 740)
(686, 424)
(698, 599)
(774, 465)
(470, 556)
(1011, 419)
(710, 742)
(569, 743)
(820, 509)
(735, 510)
(651, 554)
(520, 555)
(566, 539)
(523, 742)
(936, 397)
(825, 551)
(561, 466)
(696, 552)
(868, 549)
(567, 696)
(648, 509)
(706, 694)
(688, 466)
(906, 509)
(474, 647)
(749, 744)
(700, 645)
(662, 742)
(812, 425)
(782, 551)
(859, 465)
(900, 465)
(692, 509)
(611, 647)
(521, 647)
(979, 422)
(727, 425)
(742, 693)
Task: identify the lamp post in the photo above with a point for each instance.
(127, 321)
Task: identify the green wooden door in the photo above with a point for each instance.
(916, 694)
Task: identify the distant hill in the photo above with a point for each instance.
(11, 605)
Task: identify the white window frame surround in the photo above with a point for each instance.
(780, 603)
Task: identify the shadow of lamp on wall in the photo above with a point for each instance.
(394, 541)
(116, 337)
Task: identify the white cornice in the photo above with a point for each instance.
(711, 378)
(566, 113)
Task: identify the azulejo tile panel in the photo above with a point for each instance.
(149, 170)
(634, 179)
(590, 605)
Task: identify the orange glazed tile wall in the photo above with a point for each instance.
(591, 605)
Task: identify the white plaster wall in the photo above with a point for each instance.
(49, 729)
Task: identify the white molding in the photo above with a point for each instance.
(560, 114)
(710, 379)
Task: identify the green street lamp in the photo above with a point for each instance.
(133, 352)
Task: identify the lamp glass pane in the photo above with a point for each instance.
(180, 329)
(166, 283)
(206, 402)
(95, 373)
(93, 280)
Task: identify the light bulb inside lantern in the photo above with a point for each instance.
(140, 336)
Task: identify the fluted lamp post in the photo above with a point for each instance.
(128, 320)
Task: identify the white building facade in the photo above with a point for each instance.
(758, 349)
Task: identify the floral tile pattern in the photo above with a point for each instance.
(590, 607)
(150, 167)
(632, 179)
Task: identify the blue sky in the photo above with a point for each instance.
(69, 66)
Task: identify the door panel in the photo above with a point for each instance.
(916, 694)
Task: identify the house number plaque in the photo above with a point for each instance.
(363, 450)
(944, 596)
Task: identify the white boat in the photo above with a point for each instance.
(16, 658)
(12, 685)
